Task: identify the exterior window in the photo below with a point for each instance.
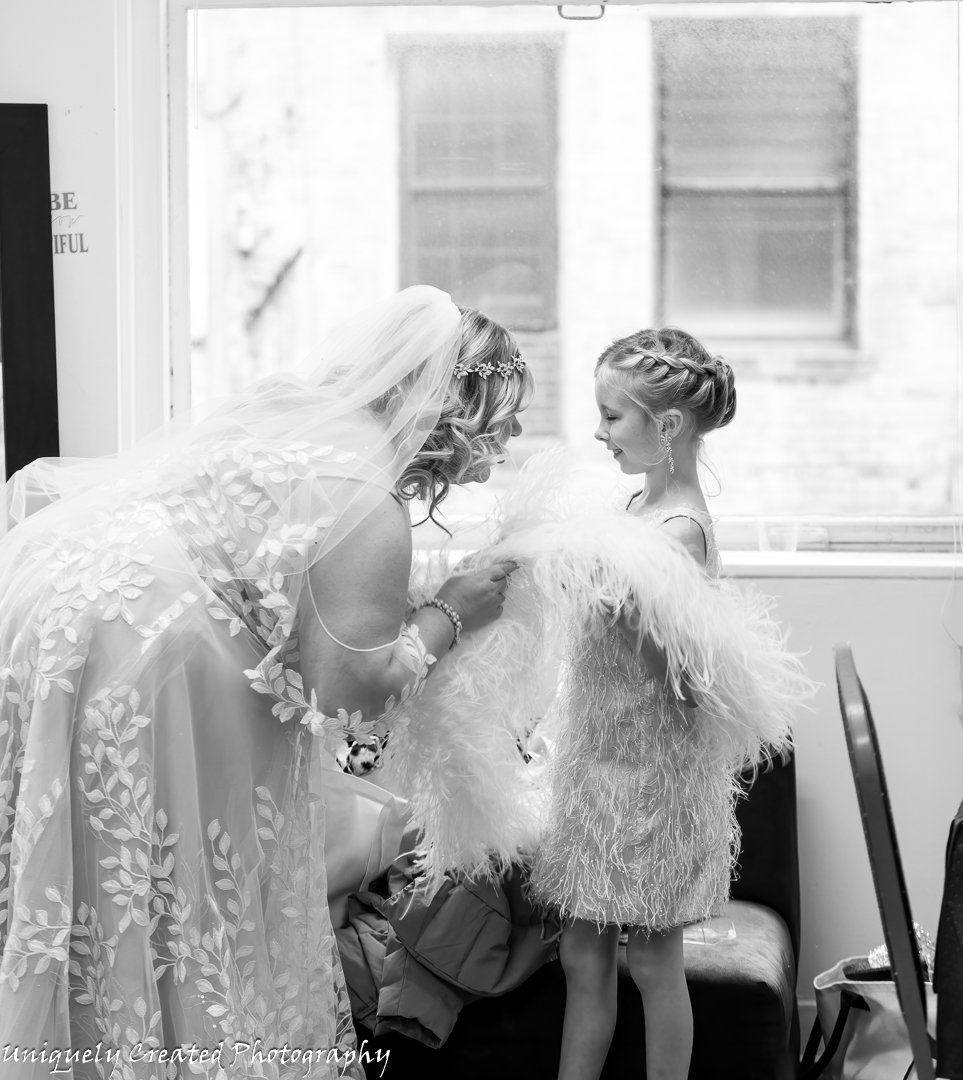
(757, 191)
(478, 176)
(672, 163)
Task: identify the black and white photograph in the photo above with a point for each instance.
(481, 552)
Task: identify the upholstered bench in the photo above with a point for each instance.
(741, 971)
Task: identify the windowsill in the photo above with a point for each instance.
(814, 565)
(895, 548)
(842, 564)
(896, 537)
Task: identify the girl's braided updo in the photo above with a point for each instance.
(669, 369)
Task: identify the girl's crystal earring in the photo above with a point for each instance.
(666, 440)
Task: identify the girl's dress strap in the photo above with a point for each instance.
(703, 519)
(699, 518)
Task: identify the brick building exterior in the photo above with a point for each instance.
(312, 168)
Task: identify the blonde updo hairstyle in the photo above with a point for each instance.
(669, 369)
(476, 418)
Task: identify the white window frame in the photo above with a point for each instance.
(154, 257)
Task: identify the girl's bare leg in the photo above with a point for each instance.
(657, 969)
(589, 961)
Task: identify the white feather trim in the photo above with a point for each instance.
(454, 751)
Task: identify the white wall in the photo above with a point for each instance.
(911, 671)
(61, 53)
(97, 65)
(107, 147)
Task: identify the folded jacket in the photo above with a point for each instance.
(412, 959)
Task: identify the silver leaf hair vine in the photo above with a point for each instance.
(484, 368)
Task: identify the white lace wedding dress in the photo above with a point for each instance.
(162, 880)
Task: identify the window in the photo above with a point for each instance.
(689, 163)
(478, 176)
(757, 193)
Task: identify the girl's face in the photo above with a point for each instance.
(629, 433)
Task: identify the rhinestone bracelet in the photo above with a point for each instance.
(453, 616)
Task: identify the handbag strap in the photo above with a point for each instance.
(810, 1068)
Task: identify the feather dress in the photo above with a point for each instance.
(642, 827)
(633, 815)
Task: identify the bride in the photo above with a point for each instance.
(179, 626)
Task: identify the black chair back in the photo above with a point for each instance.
(884, 858)
(948, 969)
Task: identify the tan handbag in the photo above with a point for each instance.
(861, 1024)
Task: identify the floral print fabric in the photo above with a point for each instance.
(162, 882)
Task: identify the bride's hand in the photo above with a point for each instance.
(478, 597)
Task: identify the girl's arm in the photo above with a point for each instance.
(688, 533)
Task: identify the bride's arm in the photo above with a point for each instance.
(350, 612)
(354, 604)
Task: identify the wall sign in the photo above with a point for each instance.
(65, 224)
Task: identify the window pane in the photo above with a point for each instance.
(480, 175)
(756, 98)
(754, 111)
(756, 265)
(487, 250)
(476, 113)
